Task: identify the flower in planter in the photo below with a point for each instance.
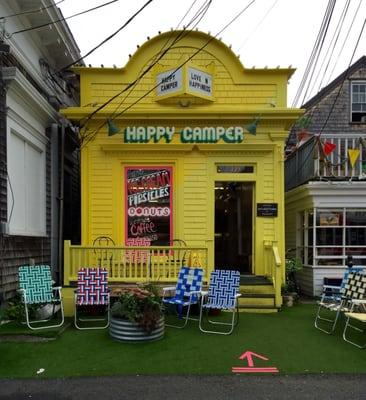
(142, 305)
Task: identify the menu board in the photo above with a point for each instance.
(148, 206)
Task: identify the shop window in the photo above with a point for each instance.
(148, 206)
(355, 236)
(26, 184)
(358, 101)
(329, 236)
(356, 218)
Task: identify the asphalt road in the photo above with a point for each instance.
(280, 387)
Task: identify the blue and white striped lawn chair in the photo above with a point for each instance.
(35, 286)
(223, 294)
(333, 301)
(92, 291)
(187, 292)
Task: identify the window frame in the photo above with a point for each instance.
(352, 112)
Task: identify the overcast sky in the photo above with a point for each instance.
(269, 33)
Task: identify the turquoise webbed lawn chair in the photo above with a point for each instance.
(333, 302)
(35, 286)
(222, 294)
(187, 293)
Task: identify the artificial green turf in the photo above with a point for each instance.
(288, 339)
(14, 328)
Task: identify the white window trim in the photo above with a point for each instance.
(355, 82)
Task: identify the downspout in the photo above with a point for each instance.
(61, 204)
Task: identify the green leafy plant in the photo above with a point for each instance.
(142, 305)
(15, 309)
(293, 265)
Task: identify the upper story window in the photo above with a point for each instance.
(358, 103)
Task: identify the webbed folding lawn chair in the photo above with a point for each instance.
(333, 302)
(223, 294)
(356, 284)
(35, 286)
(187, 293)
(92, 292)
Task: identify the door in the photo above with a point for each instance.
(233, 226)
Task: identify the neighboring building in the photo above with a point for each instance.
(184, 168)
(39, 163)
(326, 194)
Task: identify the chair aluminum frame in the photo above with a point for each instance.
(76, 319)
(234, 321)
(360, 316)
(188, 305)
(332, 301)
(57, 299)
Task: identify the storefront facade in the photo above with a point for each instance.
(183, 166)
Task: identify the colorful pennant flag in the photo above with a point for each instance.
(303, 135)
(353, 156)
(328, 147)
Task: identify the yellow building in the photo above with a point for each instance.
(183, 169)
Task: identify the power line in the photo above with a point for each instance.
(37, 10)
(317, 138)
(9, 35)
(108, 38)
(345, 40)
(200, 13)
(177, 68)
(161, 54)
(309, 66)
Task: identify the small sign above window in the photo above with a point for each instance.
(235, 169)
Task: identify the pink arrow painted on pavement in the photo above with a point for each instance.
(249, 356)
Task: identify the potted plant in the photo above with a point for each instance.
(137, 314)
(290, 289)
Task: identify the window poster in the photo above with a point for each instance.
(148, 206)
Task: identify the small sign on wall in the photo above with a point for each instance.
(267, 209)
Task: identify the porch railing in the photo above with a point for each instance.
(273, 270)
(133, 264)
(306, 163)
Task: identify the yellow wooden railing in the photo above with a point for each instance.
(273, 270)
(133, 264)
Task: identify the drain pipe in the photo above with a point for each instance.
(61, 205)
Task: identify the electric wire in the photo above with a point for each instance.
(345, 40)
(32, 28)
(319, 50)
(330, 51)
(200, 13)
(258, 25)
(107, 38)
(314, 51)
(37, 10)
(180, 66)
(317, 138)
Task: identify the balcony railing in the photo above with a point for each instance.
(308, 163)
(133, 264)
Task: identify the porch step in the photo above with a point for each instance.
(257, 295)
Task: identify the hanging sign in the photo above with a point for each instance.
(199, 82)
(148, 206)
(267, 209)
(169, 82)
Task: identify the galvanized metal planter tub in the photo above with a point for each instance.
(126, 331)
